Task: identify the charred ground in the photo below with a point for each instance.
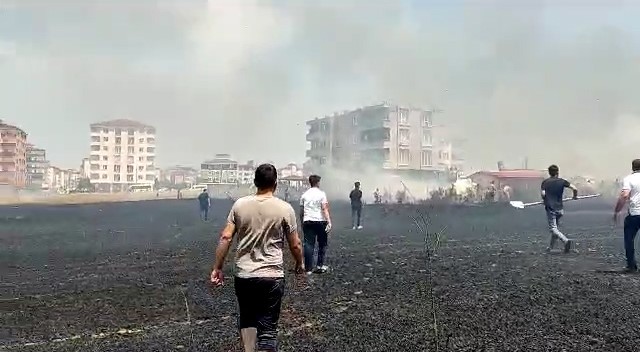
(120, 276)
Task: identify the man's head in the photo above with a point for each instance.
(635, 165)
(204, 190)
(266, 177)
(314, 180)
(357, 185)
(554, 170)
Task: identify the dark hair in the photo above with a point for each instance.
(635, 165)
(553, 170)
(314, 180)
(266, 177)
(357, 184)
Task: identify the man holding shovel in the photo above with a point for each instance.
(551, 191)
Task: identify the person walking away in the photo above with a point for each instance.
(630, 194)
(261, 223)
(316, 224)
(551, 191)
(205, 204)
(356, 206)
(377, 197)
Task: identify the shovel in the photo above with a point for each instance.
(521, 205)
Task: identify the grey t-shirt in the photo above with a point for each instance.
(262, 224)
(554, 189)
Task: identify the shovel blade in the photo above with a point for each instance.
(517, 204)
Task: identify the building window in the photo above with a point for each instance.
(95, 167)
(95, 148)
(105, 158)
(141, 150)
(93, 129)
(151, 149)
(118, 140)
(105, 148)
(118, 132)
(323, 126)
(140, 177)
(130, 178)
(94, 176)
(118, 150)
(104, 176)
(140, 168)
(105, 130)
(130, 132)
(403, 116)
(131, 140)
(141, 140)
(404, 136)
(104, 167)
(427, 158)
(141, 158)
(404, 157)
(355, 139)
(95, 158)
(354, 120)
(151, 140)
(427, 139)
(116, 177)
(95, 138)
(116, 168)
(426, 119)
(105, 139)
(129, 169)
(130, 150)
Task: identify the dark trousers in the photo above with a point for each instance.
(631, 227)
(314, 231)
(204, 213)
(356, 215)
(259, 301)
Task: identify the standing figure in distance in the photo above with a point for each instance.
(205, 204)
(630, 194)
(316, 224)
(356, 206)
(261, 223)
(551, 191)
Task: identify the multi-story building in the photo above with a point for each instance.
(122, 155)
(220, 170)
(13, 155)
(178, 175)
(37, 166)
(386, 137)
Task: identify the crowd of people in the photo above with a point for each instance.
(261, 223)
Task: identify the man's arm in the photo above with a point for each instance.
(224, 243)
(623, 198)
(573, 188)
(325, 212)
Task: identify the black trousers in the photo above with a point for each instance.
(314, 230)
(631, 227)
(259, 300)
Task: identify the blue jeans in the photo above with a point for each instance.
(204, 213)
(356, 215)
(553, 217)
(314, 231)
(631, 227)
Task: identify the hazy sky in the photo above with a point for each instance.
(555, 80)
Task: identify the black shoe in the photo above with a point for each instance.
(630, 270)
(567, 246)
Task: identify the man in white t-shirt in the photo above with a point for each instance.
(316, 224)
(630, 194)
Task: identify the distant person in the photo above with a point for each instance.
(316, 224)
(490, 196)
(377, 198)
(356, 206)
(551, 191)
(205, 204)
(286, 194)
(630, 194)
(261, 223)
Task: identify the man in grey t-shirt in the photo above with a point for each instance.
(261, 223)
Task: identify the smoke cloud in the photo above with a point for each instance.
(553, 81)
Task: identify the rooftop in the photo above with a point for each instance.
(514, 173)
(4, 125)
(122, 123)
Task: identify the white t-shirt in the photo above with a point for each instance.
(312, 201)
(631, 183)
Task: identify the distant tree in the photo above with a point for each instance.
(84, 185)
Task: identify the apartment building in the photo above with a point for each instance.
(122, 155)
(387, 137)
(13, 155)
(37, 165)
(223, 169)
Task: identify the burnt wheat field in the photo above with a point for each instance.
(134, 277)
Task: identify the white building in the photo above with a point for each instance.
(122, 155)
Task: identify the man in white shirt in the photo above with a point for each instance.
(630, 194)
(316, 224)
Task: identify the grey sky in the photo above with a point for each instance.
(552, 80)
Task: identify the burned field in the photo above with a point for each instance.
(133, 277)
